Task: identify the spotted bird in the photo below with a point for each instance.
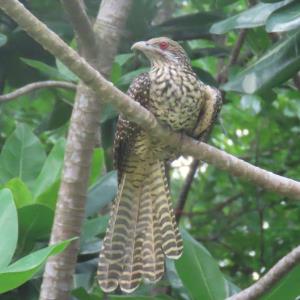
(142, 230)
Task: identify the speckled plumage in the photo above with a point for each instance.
(142, 228)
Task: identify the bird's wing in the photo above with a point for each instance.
(126, 130)
(211, 107)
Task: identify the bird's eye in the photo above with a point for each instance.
(163, 45)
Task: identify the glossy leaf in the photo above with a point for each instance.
(46, 184)
(22, 155)
(8, 227)
(200, 272)
(103, 192)
(253, 17)
(21, 194)
(23, 269)
(285, 19)
(275, 67)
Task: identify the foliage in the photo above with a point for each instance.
(233, 231)
(15, 274)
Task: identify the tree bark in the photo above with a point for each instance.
(84, 124)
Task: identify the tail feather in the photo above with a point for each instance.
(142, 229)
(153, 257)
(164, 212)
(133, 265)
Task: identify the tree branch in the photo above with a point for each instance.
(82, 27)
(135, 112)
(280, 269)
(36, 86)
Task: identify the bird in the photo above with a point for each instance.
(142, 231)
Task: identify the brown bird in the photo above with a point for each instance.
(142, 230)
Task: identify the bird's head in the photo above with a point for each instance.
(162, 51)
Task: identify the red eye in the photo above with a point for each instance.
(163, 45)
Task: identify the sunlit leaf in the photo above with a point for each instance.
(21, 194)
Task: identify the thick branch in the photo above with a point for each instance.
(140, 115)
(283, 266)
(36, 86)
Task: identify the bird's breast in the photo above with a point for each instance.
(175, 98)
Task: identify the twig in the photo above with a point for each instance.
(280, 269)
(185, 189)
(216, 208)
(222, 77)
(135, 112)
(36, 86)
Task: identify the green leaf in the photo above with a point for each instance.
(96, 165)
(285, 19)
(253, 17)
(65, 72)
(200, 272)
(122, 59)
(100, 194)
(22, 155)
(3, 39)
(287, 288)
(23, 269)
(35, 222)
(93, 227)
(46, 184)
(45, 69)
(8, 227)
(278, 65)
(20, 191)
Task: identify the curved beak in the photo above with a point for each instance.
(141, 46)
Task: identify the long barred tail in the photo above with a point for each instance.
(142, 229)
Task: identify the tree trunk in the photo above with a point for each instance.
(69, 215)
